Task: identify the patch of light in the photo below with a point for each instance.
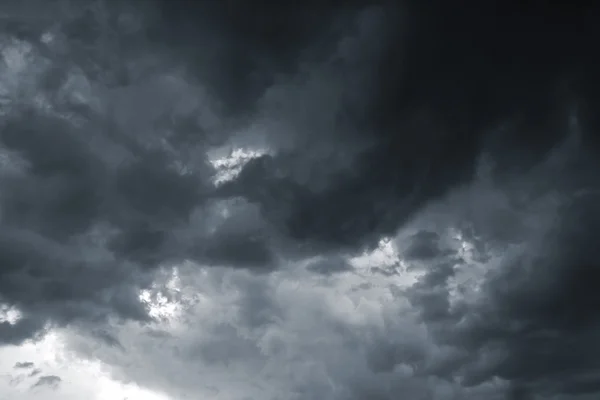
(161, 299)
(362, 294)
(79, 378)
(111, 390)
(16, 55)
(21, 67)
(229, 165)
(465, 247)
(384, 261)
(77, 89)
(11, 163)
(9, 314)
(159, 305)
(360, 299)
(47, 37)
(384, 255)
(466, 283)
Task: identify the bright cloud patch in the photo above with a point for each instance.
(230, 164)
(9, 314)
(54, 372)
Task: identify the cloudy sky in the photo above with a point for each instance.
(360, 201)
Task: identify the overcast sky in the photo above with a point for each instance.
(242, 201)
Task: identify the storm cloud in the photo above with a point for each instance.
(345, 201)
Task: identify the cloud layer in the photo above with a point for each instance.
(346, 202)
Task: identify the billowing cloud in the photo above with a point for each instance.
(274, 202)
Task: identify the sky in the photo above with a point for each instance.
(256, 201)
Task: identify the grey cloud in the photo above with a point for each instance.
(431, 293)
(35, 372)
(556, 310)
(24, 365)
(95, 202)
(531, 323)
(258, 306)
(227, 346)
(24, 328)
(309, 347)
(107, 338)
(420, 153)
(250, 251)
(51, 381)
(330, 265)
(423, 246)
(274, 43)
(374, 128)
(61, 190)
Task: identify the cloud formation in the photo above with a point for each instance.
(344, 202)
(51, 381)
(24, 365)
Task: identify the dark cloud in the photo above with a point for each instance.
(463, 78)
(330, 265)
(466, 135)
(274, 39)
(51, 381)
(553, 307)
(425, 137)
(24, 365)
(107, 338)
(92, 199)
(423, 246)
(24, 328)
(533, 322)
(240, 249)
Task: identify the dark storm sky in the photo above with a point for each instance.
(380, 110)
